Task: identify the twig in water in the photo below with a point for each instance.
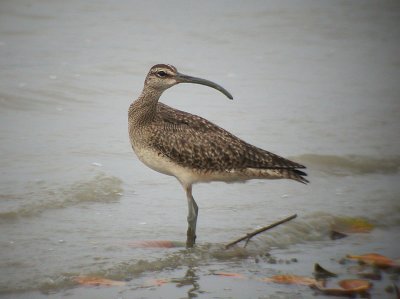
(248, 236)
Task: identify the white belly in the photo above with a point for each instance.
(162, 164)
(154, 160)
(187, 176)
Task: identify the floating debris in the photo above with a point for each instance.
(335, 235)
(98, 281)
(352, 225)
(291, 279)
(346, 287)
(156, 244)
(156, 282)
(229, 274)
(374, 259)
(320, 272)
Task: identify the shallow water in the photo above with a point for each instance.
(317, 82)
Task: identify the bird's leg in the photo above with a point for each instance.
(192, 217)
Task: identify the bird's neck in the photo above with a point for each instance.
(144, 109)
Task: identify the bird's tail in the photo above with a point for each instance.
(277, 173)
(297, 175)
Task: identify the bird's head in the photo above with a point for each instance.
(164, 76)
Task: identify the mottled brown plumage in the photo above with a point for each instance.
(193, 142)
(192, 148)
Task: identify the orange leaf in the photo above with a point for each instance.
(373, 259)
(357, 285)
(229, 274)
(98, 281)
(291, 279)
(347, 287)
(352, 225)
(157, 282)
(155, 244)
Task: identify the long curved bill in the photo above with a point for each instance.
(181, 78)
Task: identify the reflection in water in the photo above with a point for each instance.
(190, 279)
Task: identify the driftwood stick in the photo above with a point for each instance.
(248, 236)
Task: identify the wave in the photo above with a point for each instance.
(314, 227)
(350, 164)
(101, 188)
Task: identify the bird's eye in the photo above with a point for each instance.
(161, 74)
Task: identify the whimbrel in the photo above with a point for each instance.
(193, 149)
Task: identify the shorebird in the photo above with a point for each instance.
(193, 149)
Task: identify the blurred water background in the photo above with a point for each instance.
(315, 81)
